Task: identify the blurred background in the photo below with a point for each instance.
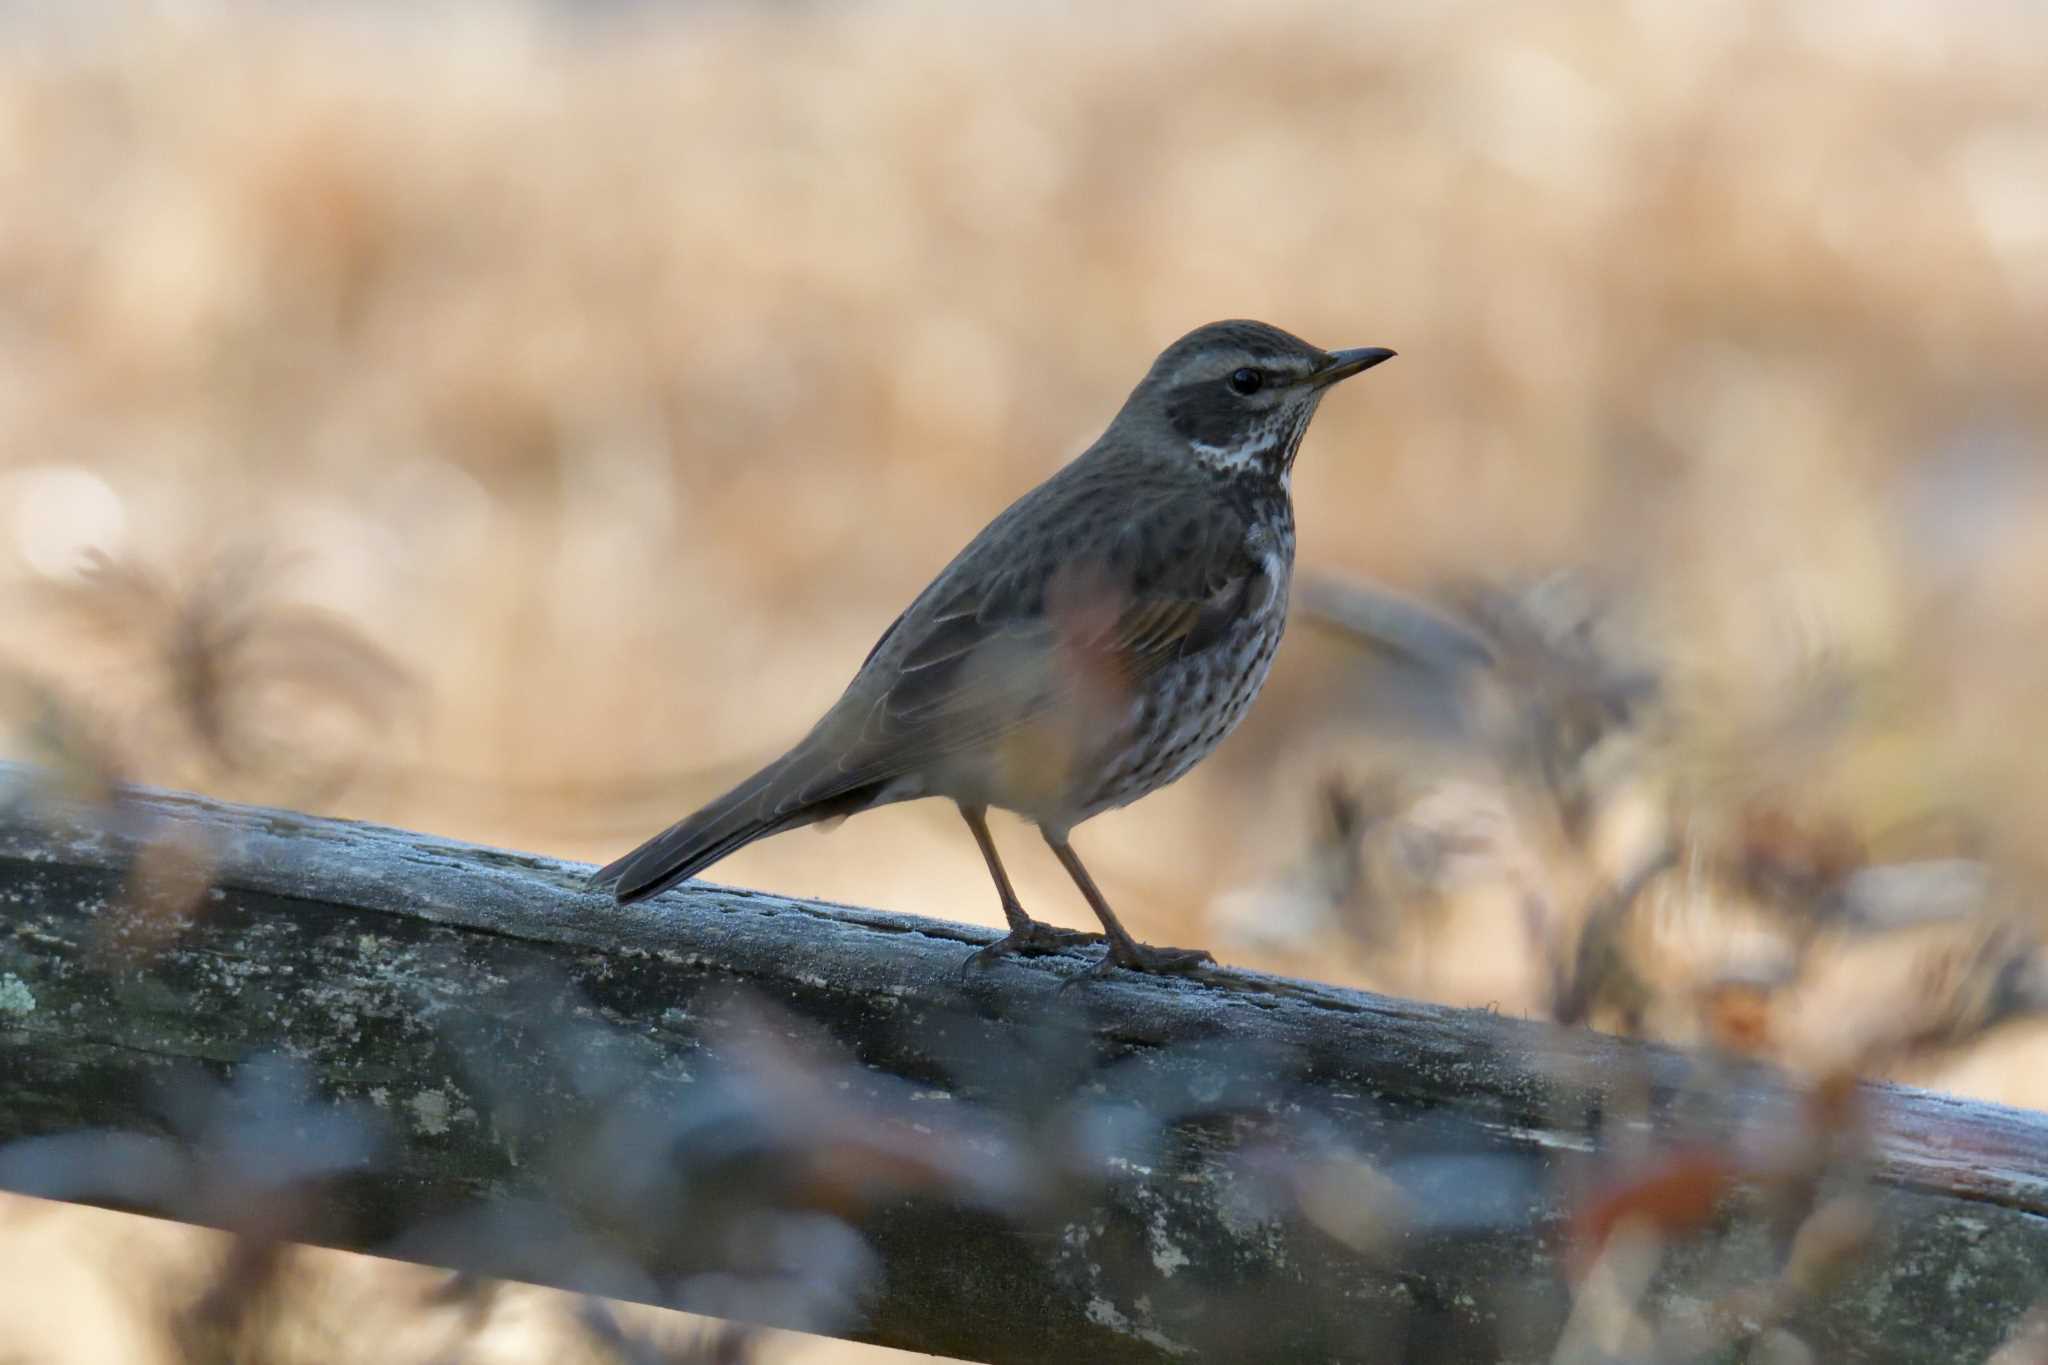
(518, 421)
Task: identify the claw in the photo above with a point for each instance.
(1139, 957)
(1029, 939)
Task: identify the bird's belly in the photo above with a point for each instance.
(1182, 713)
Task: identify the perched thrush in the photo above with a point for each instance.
(1091, 645)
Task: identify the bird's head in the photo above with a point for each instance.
(1236, 397)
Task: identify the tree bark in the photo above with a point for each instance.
(456, 992)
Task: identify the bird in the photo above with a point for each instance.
(1092, 644)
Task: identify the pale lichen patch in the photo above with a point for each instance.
(15, 996)
(434, 1112)
(1103, 1313)
(1166, 1257)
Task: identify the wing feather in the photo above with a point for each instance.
(989, 652)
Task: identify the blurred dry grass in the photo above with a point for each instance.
(622, 377)
(614, 379)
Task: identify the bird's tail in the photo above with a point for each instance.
(755, 809)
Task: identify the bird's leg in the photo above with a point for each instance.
(1124, 951)
(1026, 935)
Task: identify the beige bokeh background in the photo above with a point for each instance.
(620, 373)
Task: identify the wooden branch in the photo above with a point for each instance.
(460, 992)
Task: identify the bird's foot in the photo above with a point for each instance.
(1143, 957)
(1029, 939)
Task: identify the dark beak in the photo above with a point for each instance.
(1344, 364)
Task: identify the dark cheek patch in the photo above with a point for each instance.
(1207, 412)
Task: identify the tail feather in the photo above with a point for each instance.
(746, 813)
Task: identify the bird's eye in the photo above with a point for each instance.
(1246, 381)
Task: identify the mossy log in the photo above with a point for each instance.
(391, 964)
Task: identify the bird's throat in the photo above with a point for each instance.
(1264, 455)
